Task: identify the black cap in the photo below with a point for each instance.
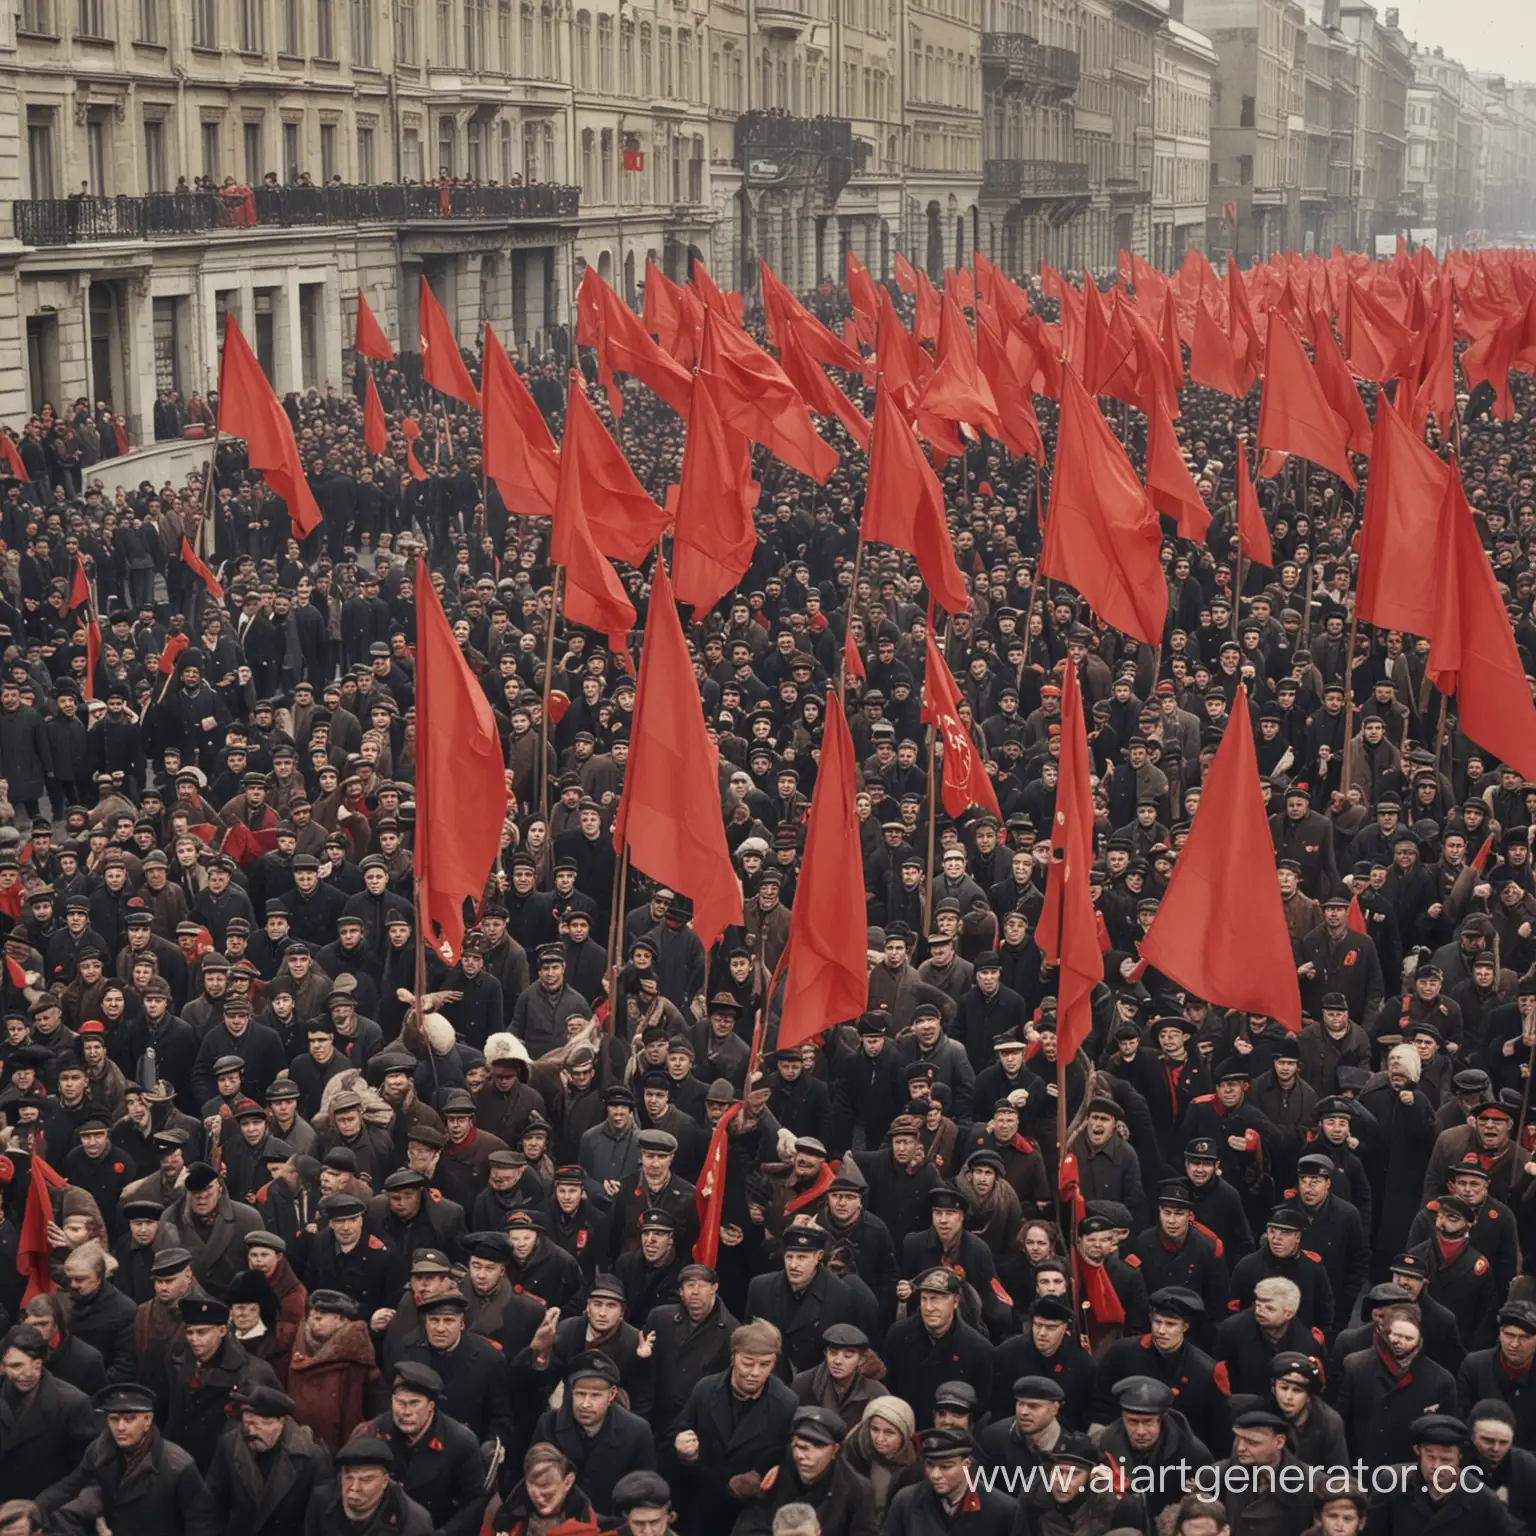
(415, 1377)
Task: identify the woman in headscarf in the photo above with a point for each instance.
(884, 1450)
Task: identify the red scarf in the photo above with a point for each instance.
(810, 1196)
(1098, 1293)
(1402, 1375)
(1450, 1251)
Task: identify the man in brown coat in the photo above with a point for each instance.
(332, 1378)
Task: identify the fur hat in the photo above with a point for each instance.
(439, 1032)
(1406, 1060)
(500, 1047)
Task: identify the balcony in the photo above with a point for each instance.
(1026, 179)
(775, 149)
(1016, 60)
(783, 18)
(171, 215)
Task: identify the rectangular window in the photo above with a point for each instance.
(213, 169)
(549, 58)
(605, 165)
(626, 58)
(149, 21)
(166, 317)
(405, 30)
(292, 151)
(154, 155)
(504, 36)
(362, 33)
(250, 149)
(588, 163)
(647, 72)
(97, 153)
(474, 36)
(525, 41)
(475, 143)
(445, 140)
(327, 151)
(605, 53)
(252, 38)
(365, 176)
(664, 59)
(205, 24)
(507, 171)
(91, 18)
(292, 42)
(37, 16)
(410, 154)
(583, 59)
(325, 29)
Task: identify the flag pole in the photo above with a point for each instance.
(549, 672)
(933, 805)
(853, 587)
(615, 953)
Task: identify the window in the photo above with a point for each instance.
(325, 29)
(588, 162)
(685, 86)
(362, 33)
(410, 154)
(91, 18)
(530, 152)
(583, 60)
(212, 165)
(292, 151)
(549, 57)
(504, 36)
(605, 53)
(167, 343)
(525, 40)
(646, 70)
(664, 58)
(37, 16)
(40, 165)
(507, 171)
(292, 42)
(98, 153)
(445, 143)
(445, 49)
(626, 58)
(205, 24)
(149, 21)
(696, 170)
(605, 166)
(327, 151)
(475, 143)
(405, 30)
(1245, 114)
(250, 150)
(476, 20)
(154, 155)
(365, 133)
(252, 39)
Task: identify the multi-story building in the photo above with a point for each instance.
(1509, 158)
(1371, 132)
(1317, 227)
(1257, 129)
(1185, 64)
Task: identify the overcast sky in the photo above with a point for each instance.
(1498, 35)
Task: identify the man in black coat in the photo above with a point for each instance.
(731, 1431)
(1331, 1228)
(267, 1467)
(933, 1346)
(436, 1459)
(101, 1315)
(601, 1440)
(1383, 1389)
(1504, 1372)
(1175, 1253)
(924, 1508)
(1440, 1498)
(1280, 1254)
(204, 1369)
(1247, 1343)
(1336, 959)
(167, 1497)
(946, 1242)
(691, 1339)
(1457, 1275)
(365, 1496)
(1148, 1434)
(1049, 1349)
(847, 1222)
(473, 1370)
(813, 1473)
(46, 1425)
(802, 1299)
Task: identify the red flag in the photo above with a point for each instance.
(904, 506)
(371, 340)
(1068, 932)
(853, 662)
(670, 314)
(1294, 413)
(925, 314)
(1472, 650)
(189, 558)
(625, 522)
(727, 307)
(1220, 932)
(786, 313)
(709, 1199)
(902, 366)
(606, 323)
(906, 275)
(442, 364)
(174, 646)
(461, 790)
(1480, 859)
(1246, 349)
(79, 586)
(673, 778)
(12, 455)
(1168, 340)
(714, 537)
(1339, 387)
(1210, 355)
(1404, 494)
(1018, 427)
(248, 409)
(594, 596)
(92, 658)
(861, 295)
(965, 781)
(410, 430)
(1252, 530)
(958, 390)
(1355, 922)
(828, 975)
(520, 455)
(756, 398)
(32, 1252)
(1437, 378)
(818, 391)
(1101, 532)
(1169, 482)
(375, 434)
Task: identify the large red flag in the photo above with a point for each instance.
(1472, 651)
(79, 586)
(902, 366)
(965, 781)
(1210, 355)
(861, 295)
(1339, 385)
(375, 433)
(461, 790)
(442, 364)
(174, 646)
(1220, 931)
(1404, 494)
(817, 390)
(905, 273)
(32, 1248)
(756, 398)
(669, 813)
(1437, 374)
(190, 559)
(925, 312)
(623, 345)
(714, 537)
(958, 390)
(1068, 932)
(410, 430)
(670, 314)
(248, 409)
(786, 313)
(1246, 350)
(520, 454)
(904, 505)
(371, 340)
(1101, 533)
(1294, 413)
(828, 978)
(12, 457)
(1019, 428)
(1169, 482)
(625, 522)
(1252, 531)
(709, 1199)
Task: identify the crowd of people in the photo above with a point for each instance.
(326, 1257)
